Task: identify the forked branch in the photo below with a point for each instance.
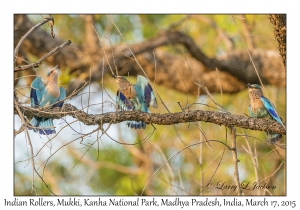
(39, 62)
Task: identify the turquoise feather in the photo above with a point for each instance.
(42, 95)
(138, 96)
(261, 107)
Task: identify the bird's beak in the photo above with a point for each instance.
(55, 69)
(114, 76)
(248, 85)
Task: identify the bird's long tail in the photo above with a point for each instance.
(138, 124)
(42, 125)
(273, 137)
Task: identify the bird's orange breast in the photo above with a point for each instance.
(128, 92)
(256, 104)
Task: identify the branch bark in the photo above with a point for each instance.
(219, 118)
(279, 25)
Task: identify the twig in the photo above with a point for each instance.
(31, 152)
(218, 165)
(39, 62)
(235, 160)
(176, 155)
(106, 164)
(247, 30)
(221, 90)
(210, 96)
(87, 111)
(165, 160)
(271, 175)
(200, 160)
(32, 160)
(104, 51)
(16, 132)
(31, 30)
(253, 156)
(249, 56)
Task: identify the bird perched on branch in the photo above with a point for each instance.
(261, 107)
(135, 97)
(44, 95)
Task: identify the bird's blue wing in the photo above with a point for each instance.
(123, 102)
(149, 97)
(271, 109)
(62, 95)
(36, 92)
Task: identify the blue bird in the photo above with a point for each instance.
(42, 95)
(261, 107)
(138, 96)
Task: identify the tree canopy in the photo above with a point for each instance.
(199, 66)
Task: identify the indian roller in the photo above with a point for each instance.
(42, 95)
(261, 107)
(138, 96)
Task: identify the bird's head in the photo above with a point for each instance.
(121, 81)
(53, 74)
(253, 86)
(254, 90)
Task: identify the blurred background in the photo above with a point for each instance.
(175, 51)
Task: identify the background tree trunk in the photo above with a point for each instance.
(279, 25)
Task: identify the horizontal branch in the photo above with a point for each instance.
(39, 62)
(219, 118)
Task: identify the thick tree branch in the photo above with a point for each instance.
(236, 63)
(218, 118)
